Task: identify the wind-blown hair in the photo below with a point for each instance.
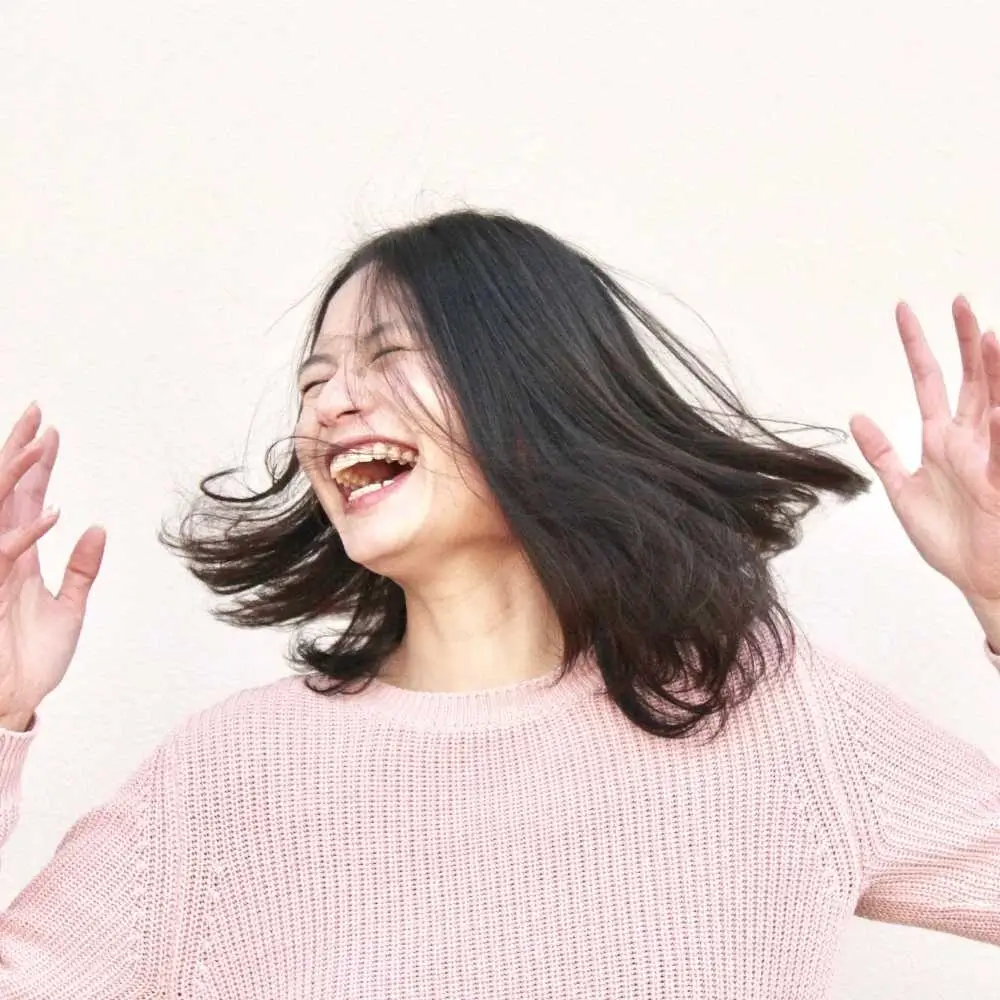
(649, 523)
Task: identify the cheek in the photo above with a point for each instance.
(301, 448)
(305, 446)
(411, 389)
(469, 492)
(450, 487)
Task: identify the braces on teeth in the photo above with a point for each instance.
(342, 466)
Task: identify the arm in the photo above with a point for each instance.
(925, 805)
(99, 922)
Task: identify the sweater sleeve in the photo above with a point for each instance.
(102, 918)
(926, 806)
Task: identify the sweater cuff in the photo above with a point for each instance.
(14, 748)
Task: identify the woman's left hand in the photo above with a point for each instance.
(950, 507)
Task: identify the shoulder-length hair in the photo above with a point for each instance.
(649, 520)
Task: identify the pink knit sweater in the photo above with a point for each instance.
(523, 842)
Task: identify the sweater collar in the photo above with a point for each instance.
(487, 708)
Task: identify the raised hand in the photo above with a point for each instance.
(949, 507)
(39, 632)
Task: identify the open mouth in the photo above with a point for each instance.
(366, 471)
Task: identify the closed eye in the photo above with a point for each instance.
(375, 357)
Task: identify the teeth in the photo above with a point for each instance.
(370, 488)
(369, 453)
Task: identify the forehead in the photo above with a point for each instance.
(354, 310)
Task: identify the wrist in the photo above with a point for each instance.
(988, 614)
(17, 722)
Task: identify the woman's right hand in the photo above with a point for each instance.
(38, 632)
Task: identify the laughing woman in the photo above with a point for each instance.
(560, 738)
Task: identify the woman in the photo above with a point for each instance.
(565, 740)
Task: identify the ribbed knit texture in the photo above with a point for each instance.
(524, 842)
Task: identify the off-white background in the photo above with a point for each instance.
(175, 178)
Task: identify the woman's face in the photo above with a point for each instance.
(429, 513)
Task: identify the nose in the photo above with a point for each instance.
(342, 394)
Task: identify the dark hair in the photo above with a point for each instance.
(649, 524)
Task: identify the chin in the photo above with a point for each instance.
(385, 553)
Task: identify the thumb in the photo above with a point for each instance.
(81, 571)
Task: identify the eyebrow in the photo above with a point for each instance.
(321, 356)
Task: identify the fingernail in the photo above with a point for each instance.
(33, 403)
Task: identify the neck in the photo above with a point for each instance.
(476, 630)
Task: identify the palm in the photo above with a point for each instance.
(950, 507)
(39, 632)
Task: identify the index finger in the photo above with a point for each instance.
(932, 396)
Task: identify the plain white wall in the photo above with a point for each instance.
(175, 179)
